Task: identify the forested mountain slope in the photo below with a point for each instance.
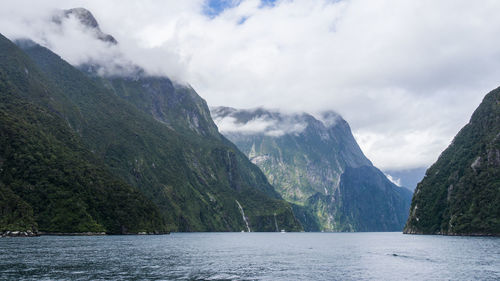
(460, 193)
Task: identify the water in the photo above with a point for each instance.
(243, 215)
(251, 256)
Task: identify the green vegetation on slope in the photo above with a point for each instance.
(193, 179)
(15, 213)
(460, 193)
(48, 180)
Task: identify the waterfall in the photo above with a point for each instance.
(276, 223)
(243, 215)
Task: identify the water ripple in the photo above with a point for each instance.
(251, 256)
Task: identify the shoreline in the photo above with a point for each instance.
(9, 233)
(455, 234)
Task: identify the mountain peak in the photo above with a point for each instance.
(87, 19)
(84, 16)
(274, 122)
(329, 118)
(259, 121)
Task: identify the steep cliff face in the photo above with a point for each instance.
(177, 106)
(460, 193)
(312, 162)
(300, 155)
(369, 202)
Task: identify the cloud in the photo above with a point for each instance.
(405, 74)
(328, 118)
(395, 181)
(79, 44)
(260, 124)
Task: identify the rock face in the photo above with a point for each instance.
(316, 164)
(300, 155)
(460, 193)
(177, 106)
(86, 18)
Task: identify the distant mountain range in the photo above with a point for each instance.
(83, 151)
(316, 164)
(460, 193)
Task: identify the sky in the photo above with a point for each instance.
(405, 74)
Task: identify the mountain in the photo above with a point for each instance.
(153, 135)
(88, 20)
(316, 164)
(460, 193)
(49, 181)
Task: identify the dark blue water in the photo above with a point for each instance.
(251, 256)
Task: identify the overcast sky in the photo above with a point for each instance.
(405, 74)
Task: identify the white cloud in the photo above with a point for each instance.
(395, 181)
(328, 118)
(260, 125)
(405, 74)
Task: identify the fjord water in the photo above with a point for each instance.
(251, 256)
